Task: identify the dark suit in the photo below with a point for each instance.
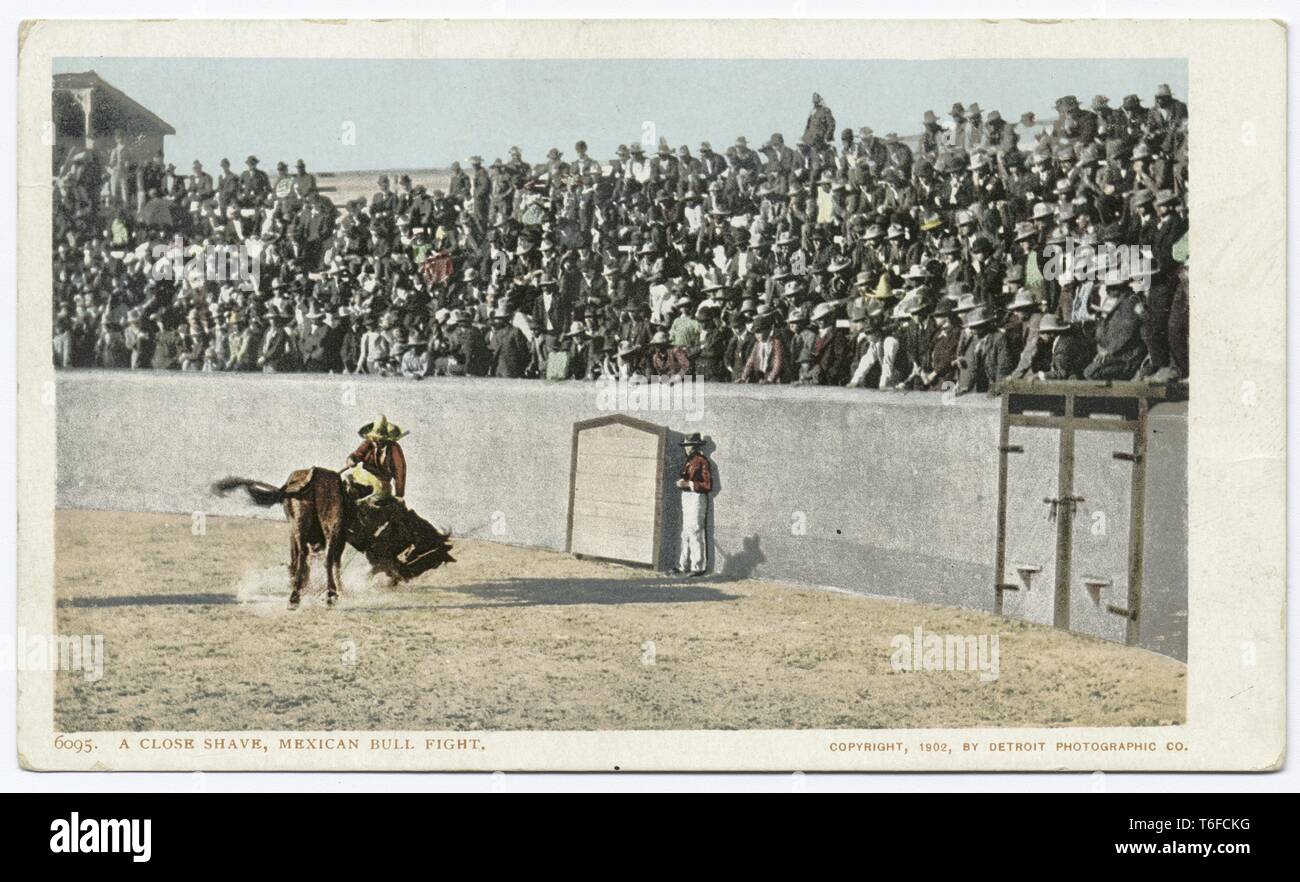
(553, 321)
(512, 354)
(709, 357)
(989, 362)
(832, 354)
(1120, 349)
(1068, 357)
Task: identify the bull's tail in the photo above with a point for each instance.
(261, 493)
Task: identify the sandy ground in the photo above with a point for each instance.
(341, 187)
(197, 637)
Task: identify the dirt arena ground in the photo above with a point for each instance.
(197, 637)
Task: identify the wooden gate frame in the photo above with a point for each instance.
(1075, 400)
(632, 422)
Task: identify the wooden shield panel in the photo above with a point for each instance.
(616, 489)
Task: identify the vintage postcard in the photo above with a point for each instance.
(674, 395)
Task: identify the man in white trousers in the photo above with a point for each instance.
(696, 482)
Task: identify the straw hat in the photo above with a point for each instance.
(381, 430)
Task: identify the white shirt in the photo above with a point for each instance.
(881, 352)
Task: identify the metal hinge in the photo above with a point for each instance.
(1130, 614)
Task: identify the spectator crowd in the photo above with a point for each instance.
(984, 249)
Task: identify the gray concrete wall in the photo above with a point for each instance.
(878, 493)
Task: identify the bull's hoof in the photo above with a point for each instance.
(331, 599)
(294, 600)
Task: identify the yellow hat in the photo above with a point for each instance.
(381, 430)
(883, 289)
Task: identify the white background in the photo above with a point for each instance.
(13, 778)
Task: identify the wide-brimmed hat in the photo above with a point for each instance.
(626, 347)
(923, 293)
(912, 303)
(1025, 299)
(822, 310)
(945, 306)
(381, 430)
(884, 289)
(695, 439)
(712, 282)
(1051, 324)
(978, 317)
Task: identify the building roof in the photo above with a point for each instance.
(125, 103)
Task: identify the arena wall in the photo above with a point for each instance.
(879, 493)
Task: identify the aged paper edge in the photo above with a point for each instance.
(1237, 441)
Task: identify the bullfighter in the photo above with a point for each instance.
(696, 482)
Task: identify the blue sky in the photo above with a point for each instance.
(426, 113)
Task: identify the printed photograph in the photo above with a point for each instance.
(620, 394)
